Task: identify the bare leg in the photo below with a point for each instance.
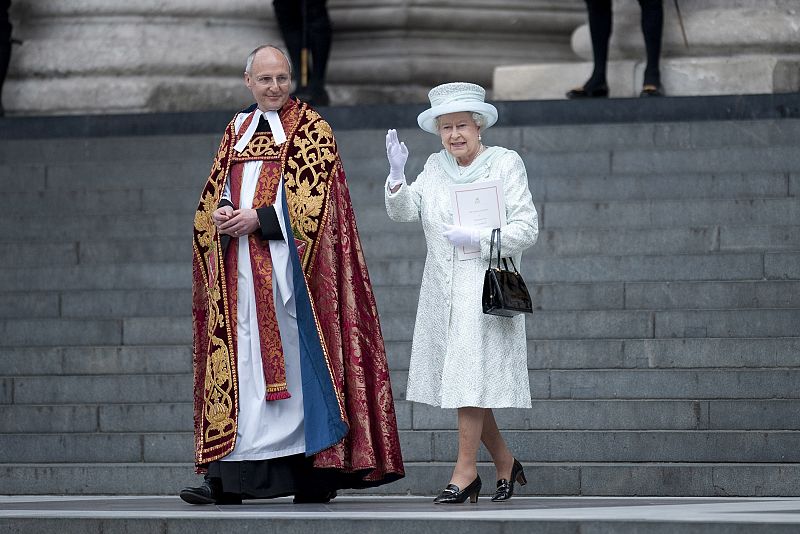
(470, 427)
(496, 445)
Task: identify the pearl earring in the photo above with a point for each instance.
(479, 138)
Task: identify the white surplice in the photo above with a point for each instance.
(266, 429)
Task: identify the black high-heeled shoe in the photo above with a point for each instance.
(589, 91)
(505, 489)
(452, 495)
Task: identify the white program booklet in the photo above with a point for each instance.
(480, 205)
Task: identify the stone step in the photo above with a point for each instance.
(426, 478)
(544, 324)
(441, 446)
(121, 303)
(769, 414)
(404, 272)
(543, 354)
(666, 214)
(588, 384)
(406, 241)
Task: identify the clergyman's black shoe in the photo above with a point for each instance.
(209, 493)
(201, 495)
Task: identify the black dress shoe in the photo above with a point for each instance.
(588, 91)
(209, 493)
(649, 90)
(308, 498)
(505, 489)
(452, 495)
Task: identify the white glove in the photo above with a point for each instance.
(397, 154)
(462, 236)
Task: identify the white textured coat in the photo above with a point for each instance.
(461, 356)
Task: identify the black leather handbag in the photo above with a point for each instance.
(504, 291)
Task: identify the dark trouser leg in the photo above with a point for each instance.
(5, 44)
(319, 44)
(290, 21)
(652, 28)
(600, 23)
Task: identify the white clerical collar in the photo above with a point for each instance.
(274, 123)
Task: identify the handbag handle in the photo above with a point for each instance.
(491, 252)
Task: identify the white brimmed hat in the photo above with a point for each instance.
(455, 97)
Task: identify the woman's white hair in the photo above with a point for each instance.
(477, 118)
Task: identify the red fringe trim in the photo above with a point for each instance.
(278, 395)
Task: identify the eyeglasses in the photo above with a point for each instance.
(272, 80)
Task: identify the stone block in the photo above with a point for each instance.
(399, 380)
(635, 446)
(39, 254)
(105, 202)
(168, 447)
(625, 241)
(416, 446)
(588, 324)
(582, 415)
(31, 360)
(754, 414)
(718, 133)
(645, 268)
(113, 276)
(641, 480)
(169, 359)
(694, 384)
(136, 251)
(397, 272)
(22, 178)
(759, 238)
(601, 296)
(28, 305)
(398, 354)
(72, 389)
(403, 411)
(712, 295)
(666, 213)
(59, 448)
(794, 184)
(665, 187)
(157, 330)
(570, 164)
(59, 332)
(40, 419)
(379, 246)
(727, 323)
(713, 353)
(756, 480)
(539, 382)
(714, 160)
(6, 390)
(178, 199)
(782, 266)
(586, 137)
(168, 417)
(100, 150)
(121, 303)
(394, 299)
(78, 227)
(92, 479)
(144, 173)
(576, 353)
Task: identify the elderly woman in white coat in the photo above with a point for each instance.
(460, 357)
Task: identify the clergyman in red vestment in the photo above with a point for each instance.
(291, 384)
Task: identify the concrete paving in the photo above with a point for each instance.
(407, 514)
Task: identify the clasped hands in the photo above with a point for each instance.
(235, 223)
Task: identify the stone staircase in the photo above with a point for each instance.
(664, 354)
